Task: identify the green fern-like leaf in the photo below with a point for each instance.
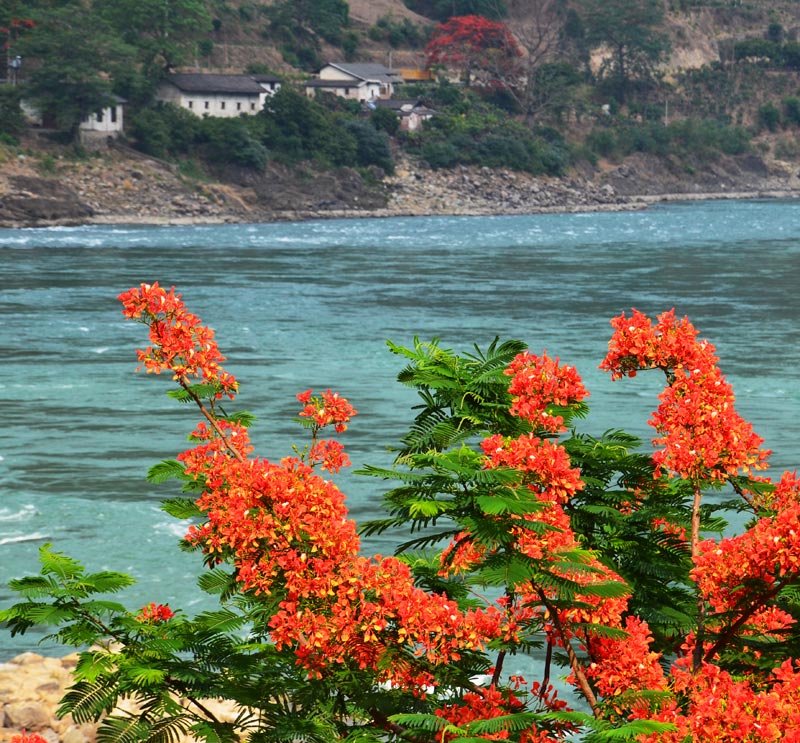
(58, 564)
(119, 729)
(420, 721)
(88, 701)
(181, 508)
(106, 581)
(167, 469)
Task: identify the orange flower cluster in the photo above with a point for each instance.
(180, 344)
(327, 409)
(724, 709)
(490, 703)
(26, 737)
(701, 432)
(287, 531)
(154, 613)
(539, 382)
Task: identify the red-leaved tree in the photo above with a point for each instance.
(471, 44)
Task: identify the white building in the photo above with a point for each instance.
(218, 95)
(359, 82)
(106, 122)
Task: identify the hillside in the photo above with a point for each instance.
(629, 157)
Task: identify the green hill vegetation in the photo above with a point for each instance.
(539, 86)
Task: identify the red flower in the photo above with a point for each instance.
(154, 613)
(25, 737)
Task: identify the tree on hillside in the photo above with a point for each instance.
(631, 32)
(442, 10)
(164, 31)
(543, 79)
(473, 43)
(73, 56)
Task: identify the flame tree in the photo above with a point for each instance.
(526, 538)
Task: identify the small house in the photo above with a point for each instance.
(97, 127)
(357, 81)
(411, 112)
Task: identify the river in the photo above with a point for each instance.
(299, 305)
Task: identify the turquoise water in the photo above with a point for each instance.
(311, 305)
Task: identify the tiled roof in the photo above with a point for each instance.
(202, 83)
(367, 71)
(317, 83)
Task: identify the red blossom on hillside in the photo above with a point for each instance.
(471, 43)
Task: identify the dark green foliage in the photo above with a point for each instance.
(439, 154)
(297, 22)
(775, 32)
(232, 141)
(403, 33)
(473, 132)
(163, 33)
(12, 120)
(298, 128)
(791, 110)
(165, 130)
(632, 32)
(77, 55)
(372, 146)
(385, 120)
(703, 140)
(756, 49)
(769, 116)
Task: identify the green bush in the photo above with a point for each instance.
(769, 117)
(165, 130)
(372, 146)
(232, 141)
(298, 128)
(602, 142)
(439, 154)
(12, 120)
(386, 120)
(791, 110)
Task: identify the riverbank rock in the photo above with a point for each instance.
(31, 687)
(122, 186)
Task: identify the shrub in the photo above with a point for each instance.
(602, 142)
(231, 141)
(439, 154)
(791, 110)
(372, 146)
(165, 130)
(769, 117)
(384, 119)
(12, 120)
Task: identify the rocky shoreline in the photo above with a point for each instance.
(31, 688)
(120, 186)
